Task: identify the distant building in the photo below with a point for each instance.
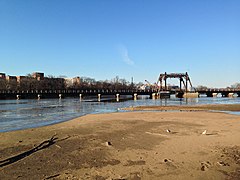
(20, 78)
(11, 78)
(72, 81)
(68, 82)
(37, 75)
(76, 80)
(2, 76)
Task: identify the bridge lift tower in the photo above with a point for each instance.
(183, 78)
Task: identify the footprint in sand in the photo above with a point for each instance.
(169, 163)
(221, 163)
(205, 165)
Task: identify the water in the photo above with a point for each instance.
(22, 114)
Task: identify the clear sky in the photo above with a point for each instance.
(129, 38)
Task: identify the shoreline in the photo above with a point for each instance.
(222, 108)
(204, 107)
(126, 145)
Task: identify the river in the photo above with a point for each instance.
(23, 114)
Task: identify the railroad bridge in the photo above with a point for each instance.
(228, 92)
(77, 93)
(161, 90)
(152, 93)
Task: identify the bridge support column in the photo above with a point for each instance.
(153, 95)
(99, 97)
(18, 97)
(117, 97)
(164, 94)
(135, 96)
(60, 96)
(39, 96)
(80, 97)
(191, 95)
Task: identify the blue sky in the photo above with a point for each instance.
(129, 38)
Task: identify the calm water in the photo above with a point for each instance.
(22, 114)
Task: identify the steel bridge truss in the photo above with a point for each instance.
(183, 78)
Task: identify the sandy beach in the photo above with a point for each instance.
(172, 142)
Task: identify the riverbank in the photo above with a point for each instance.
(204, 107)
(131, 145)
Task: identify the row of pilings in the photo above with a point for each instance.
(116, 94)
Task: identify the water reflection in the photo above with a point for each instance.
(21, 114)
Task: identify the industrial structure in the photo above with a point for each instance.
(183, 79)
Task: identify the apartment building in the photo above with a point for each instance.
(2, 76)
(37, 75)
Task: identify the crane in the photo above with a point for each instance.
(152, 86)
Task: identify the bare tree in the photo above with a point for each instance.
(236, 86)
(3, 84)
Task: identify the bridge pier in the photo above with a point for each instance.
(39, 96)
(18, 97)
(191, 95)
(117, 97)
(153, 96)
(80, 97)
(60, 96)
(164, 94)
(99, 97)
(135, 96)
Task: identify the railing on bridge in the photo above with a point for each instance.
(75, 91)
(218, 90)
(10, 94)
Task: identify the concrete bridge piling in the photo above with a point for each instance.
(117, 97)
(222, 94)
(18, 97)
(99, 97)
(135, 96)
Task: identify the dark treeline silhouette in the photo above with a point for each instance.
(29, 83)
(236, 85)
(115, 83)
(59, 83)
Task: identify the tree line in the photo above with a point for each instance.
(59, 83)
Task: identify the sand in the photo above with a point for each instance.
(131, 145)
